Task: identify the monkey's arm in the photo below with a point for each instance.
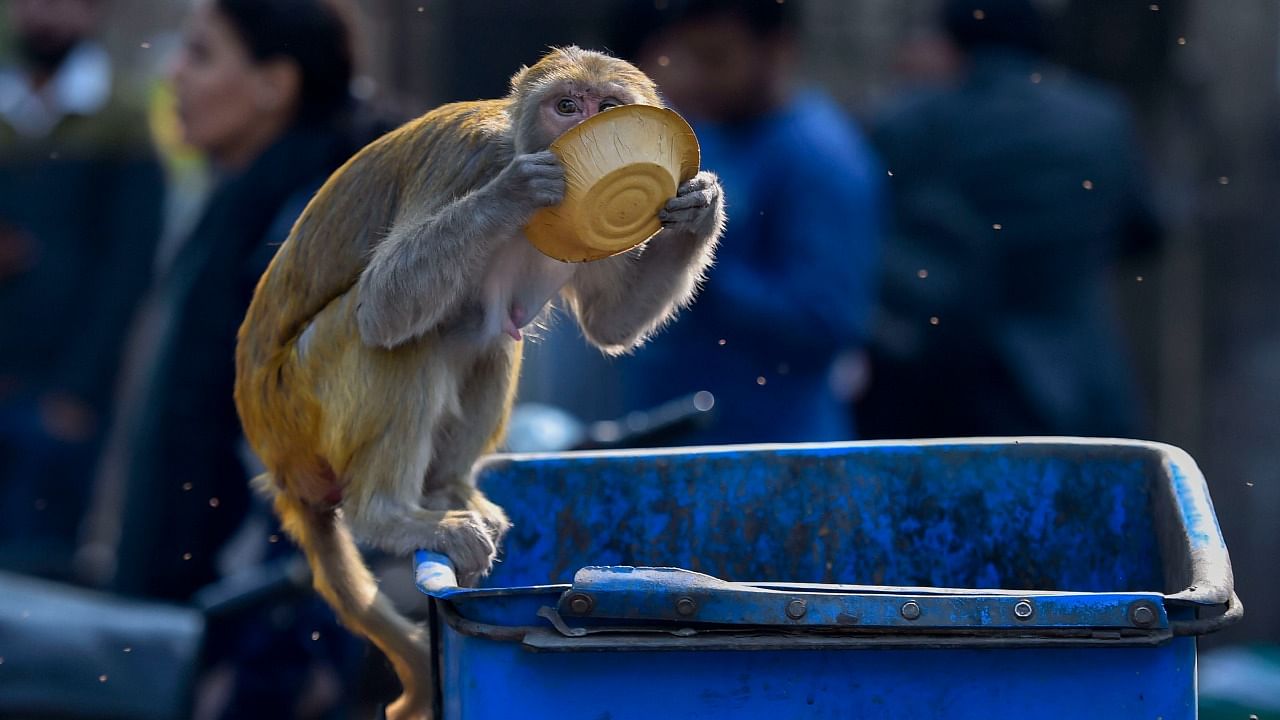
(622, 300)
(430, 261)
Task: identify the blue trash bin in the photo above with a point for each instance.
(1028, 578)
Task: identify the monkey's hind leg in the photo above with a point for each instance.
(384, 509)
(380, 446)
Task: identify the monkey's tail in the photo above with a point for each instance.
(343, 580)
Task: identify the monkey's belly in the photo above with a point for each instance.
(520, 281)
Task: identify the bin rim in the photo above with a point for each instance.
(1210, 591)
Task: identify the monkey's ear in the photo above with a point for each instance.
(518, 79)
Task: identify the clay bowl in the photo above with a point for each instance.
(621, 167)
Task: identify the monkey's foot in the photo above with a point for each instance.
(467, 539)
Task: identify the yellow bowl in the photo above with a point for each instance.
(621, 167)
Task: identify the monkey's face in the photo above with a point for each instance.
(566, 104)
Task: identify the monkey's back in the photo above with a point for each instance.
(410, 172)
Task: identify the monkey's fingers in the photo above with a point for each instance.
(547, 191)
(697, 199)
(701, 181)
(546, 157)
(685, 215)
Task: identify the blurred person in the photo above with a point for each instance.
(1014, 193)
(263, 90)
(792, 286)
(80, 211)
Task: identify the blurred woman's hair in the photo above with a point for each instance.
(317, 35)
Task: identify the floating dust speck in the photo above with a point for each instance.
(1087, 184)
(890, 173)
(1139, 278)
(145, 45)
(186, 556)
(186, 487)
(273, 539)
(922, 273)
(214, 502)
(997, 227)
(761, 381)
(933, 320)
(128, 649)
(663, 61)
(421, 9)
(1224, 180)
(723, 342)
(1248, 484)
(979, 15)
(1182, 41)
(1036, 78)
(1, 660)
(102, 678)
(315, 635)
(1153, 7)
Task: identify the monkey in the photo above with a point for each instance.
(379, 356)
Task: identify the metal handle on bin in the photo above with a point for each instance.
(1232, 612)
(673, 595)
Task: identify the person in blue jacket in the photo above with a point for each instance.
(793, 284)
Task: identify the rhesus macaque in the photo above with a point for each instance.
(379, 357)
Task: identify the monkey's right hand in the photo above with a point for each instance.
(531, 182)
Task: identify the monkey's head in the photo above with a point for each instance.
(569, 85)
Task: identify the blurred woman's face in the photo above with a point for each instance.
(224, 101)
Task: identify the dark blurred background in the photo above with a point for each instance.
(1196, 306)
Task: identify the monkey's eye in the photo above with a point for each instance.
(609, 105)
(566, 106)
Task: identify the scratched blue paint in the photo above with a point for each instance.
(499, 680)
(1031, 517)
(1196, 528)
(960, 516)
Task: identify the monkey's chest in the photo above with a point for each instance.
(519, 281)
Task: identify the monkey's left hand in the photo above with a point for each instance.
(696, 209)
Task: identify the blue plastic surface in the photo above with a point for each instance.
(1042, 578)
